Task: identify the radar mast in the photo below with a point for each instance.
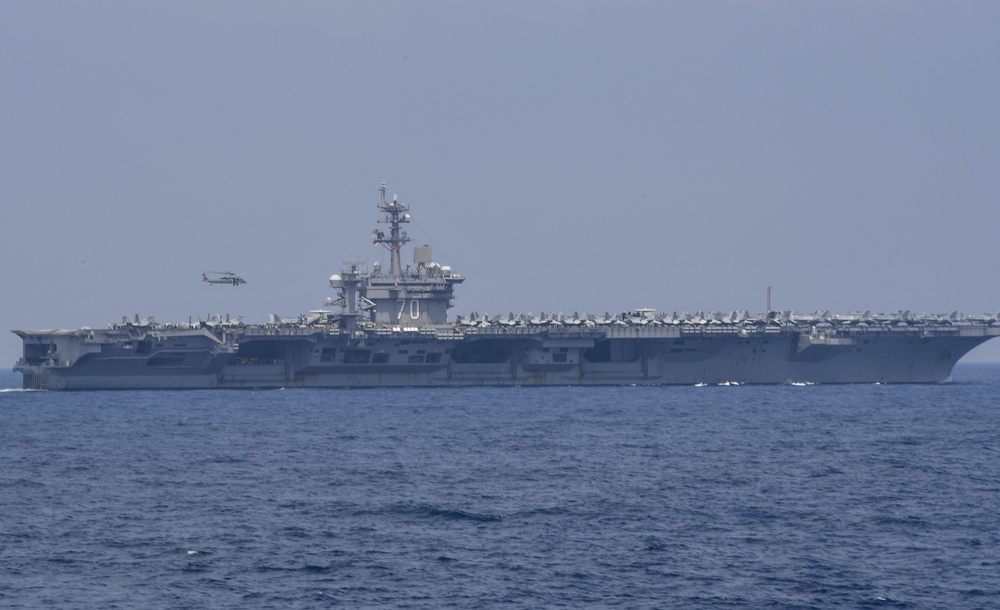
(394, 213)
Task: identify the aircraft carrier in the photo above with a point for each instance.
(390, 327)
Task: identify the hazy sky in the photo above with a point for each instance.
(562, 155)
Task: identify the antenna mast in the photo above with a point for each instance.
(393, 214)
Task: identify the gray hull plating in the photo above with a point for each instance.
(507, 357)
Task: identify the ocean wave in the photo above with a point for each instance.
(437, 512)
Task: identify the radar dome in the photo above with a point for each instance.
(335, 281)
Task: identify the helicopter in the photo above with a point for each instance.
(222, 277)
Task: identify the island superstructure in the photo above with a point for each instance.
(391, 328)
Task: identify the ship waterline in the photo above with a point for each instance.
(392, 329)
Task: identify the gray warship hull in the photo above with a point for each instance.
(393, 330)
(260, 358)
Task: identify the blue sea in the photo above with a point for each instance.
(856, 496)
